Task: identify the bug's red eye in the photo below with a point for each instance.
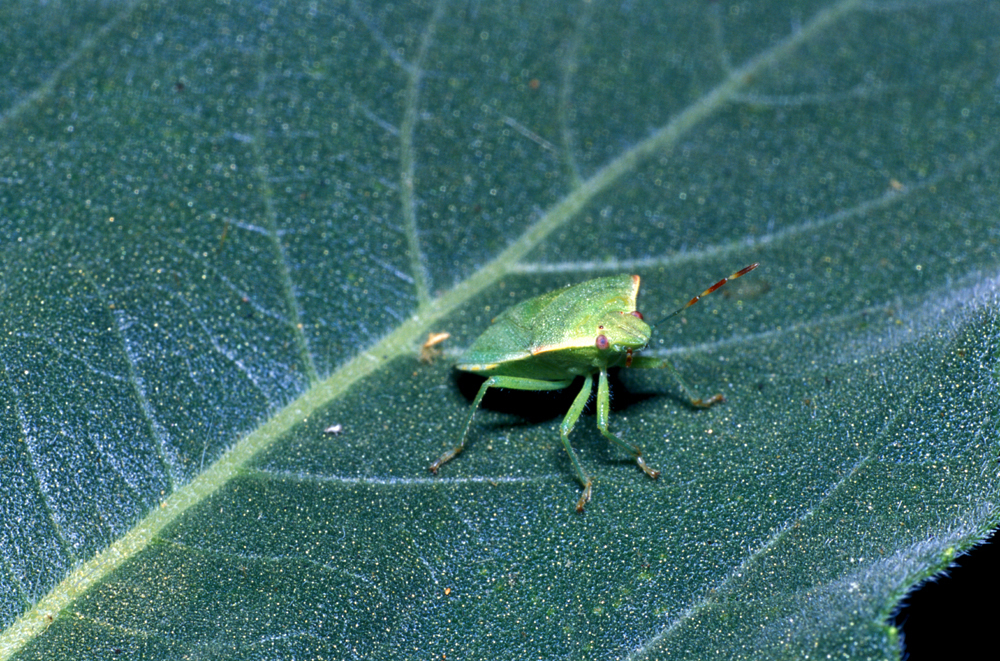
(636, 314)
(602, 342)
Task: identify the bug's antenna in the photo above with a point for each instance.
(708, 291)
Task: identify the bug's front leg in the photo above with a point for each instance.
(649, 362)
(603, 406)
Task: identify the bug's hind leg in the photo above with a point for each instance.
(511, 382)
(455, 451)
(603, 405)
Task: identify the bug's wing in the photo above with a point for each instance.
(509, 338)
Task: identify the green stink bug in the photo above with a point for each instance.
(580, 330)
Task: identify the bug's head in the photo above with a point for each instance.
(622, 332)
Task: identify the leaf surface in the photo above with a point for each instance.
(229, 227)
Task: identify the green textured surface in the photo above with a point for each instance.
(227, 226)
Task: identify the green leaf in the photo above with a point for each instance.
(227, 227)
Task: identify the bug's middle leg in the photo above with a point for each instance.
(564, 431)
(603, 406)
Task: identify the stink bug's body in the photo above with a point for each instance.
(544, 343)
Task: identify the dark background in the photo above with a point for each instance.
(949, 616)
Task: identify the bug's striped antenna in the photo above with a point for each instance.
(708, 291)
